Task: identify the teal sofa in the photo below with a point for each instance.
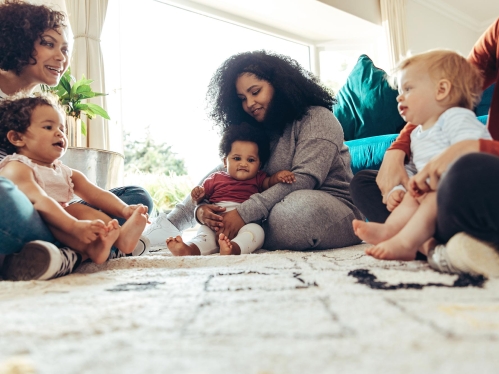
(366, 109)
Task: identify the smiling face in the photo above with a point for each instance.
(242, 163)
(51, 52)
(417, 99)
(45, 140)
(255, 94)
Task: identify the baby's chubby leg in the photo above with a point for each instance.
(415, 233)
(131, 230)
(248, 239)
(374, 233)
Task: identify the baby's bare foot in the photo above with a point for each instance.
(178, 248)
(132, 230)
(370, 232)
(227, 247)
(98, 250)
(393, 249)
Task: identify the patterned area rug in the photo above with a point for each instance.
(335, 311)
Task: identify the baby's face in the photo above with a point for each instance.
(417, 102)
(242, 162)
(45, 140)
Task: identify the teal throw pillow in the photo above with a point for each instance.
(367, 105)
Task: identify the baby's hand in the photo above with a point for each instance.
(394, 199)
(414, 189)
(286, 176)
(129, 209)
(197, 194)
(87, 231)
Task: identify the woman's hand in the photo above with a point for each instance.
(209, 215)
(392, 172)
(427, 179)
(232, 223)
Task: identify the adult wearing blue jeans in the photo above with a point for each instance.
(34, 50)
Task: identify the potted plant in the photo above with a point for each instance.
(104, 168)
(72, 93)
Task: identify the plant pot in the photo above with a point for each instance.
(73, 132)
(106, 169)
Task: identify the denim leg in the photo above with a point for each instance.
(129, 195)
(133, 195)
(19, 221)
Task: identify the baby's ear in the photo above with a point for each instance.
(443, 89)
(224, 160)
(15, 138)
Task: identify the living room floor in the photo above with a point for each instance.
(333, 311)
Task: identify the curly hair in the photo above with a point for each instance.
(295, 90)
(21, 25)
(15, 114)
(247, 133)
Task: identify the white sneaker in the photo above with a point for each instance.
(39, 260)
(143, 246)
(159, 230)
(465, 254)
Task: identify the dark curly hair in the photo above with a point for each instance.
(15, 114)
(247, 133)
(295, 90)
(21, 25)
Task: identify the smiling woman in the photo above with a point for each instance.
(33, 51)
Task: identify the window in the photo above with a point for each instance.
(159, 60)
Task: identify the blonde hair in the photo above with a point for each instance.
(465, 78)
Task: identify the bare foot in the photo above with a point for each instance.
(98, 251)
(178, 248)
(393, 249)
(227, 247)
(131, 230)
(371, 232)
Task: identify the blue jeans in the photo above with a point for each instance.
(20, 222)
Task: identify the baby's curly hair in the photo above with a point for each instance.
(295, 90)
(15, 114)
(21, 25)
(247, 133)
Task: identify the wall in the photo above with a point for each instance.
(427, 29)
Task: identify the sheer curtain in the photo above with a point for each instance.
(87, 19)
(394, 26)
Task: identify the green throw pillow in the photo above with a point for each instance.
(367, 105)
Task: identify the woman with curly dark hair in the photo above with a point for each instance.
(34, 50)
(275, 93)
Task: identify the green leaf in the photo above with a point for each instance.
(98, 110)
(83, 128)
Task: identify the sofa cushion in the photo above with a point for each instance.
(368, 153)
(483, 106)
(367, 105)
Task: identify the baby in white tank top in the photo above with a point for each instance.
(32, 132)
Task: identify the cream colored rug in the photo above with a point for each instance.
(335, 311)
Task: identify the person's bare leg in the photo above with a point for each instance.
(178, 248)
(97, 250)
(227, 247)
(81, 211)
(417, 231)
(374, 233)
(131, 230)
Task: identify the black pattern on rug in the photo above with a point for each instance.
(364, 276)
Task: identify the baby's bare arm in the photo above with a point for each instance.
(283, 176)
(50, 210)
(197, 194)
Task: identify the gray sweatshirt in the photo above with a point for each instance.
(313, 149)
